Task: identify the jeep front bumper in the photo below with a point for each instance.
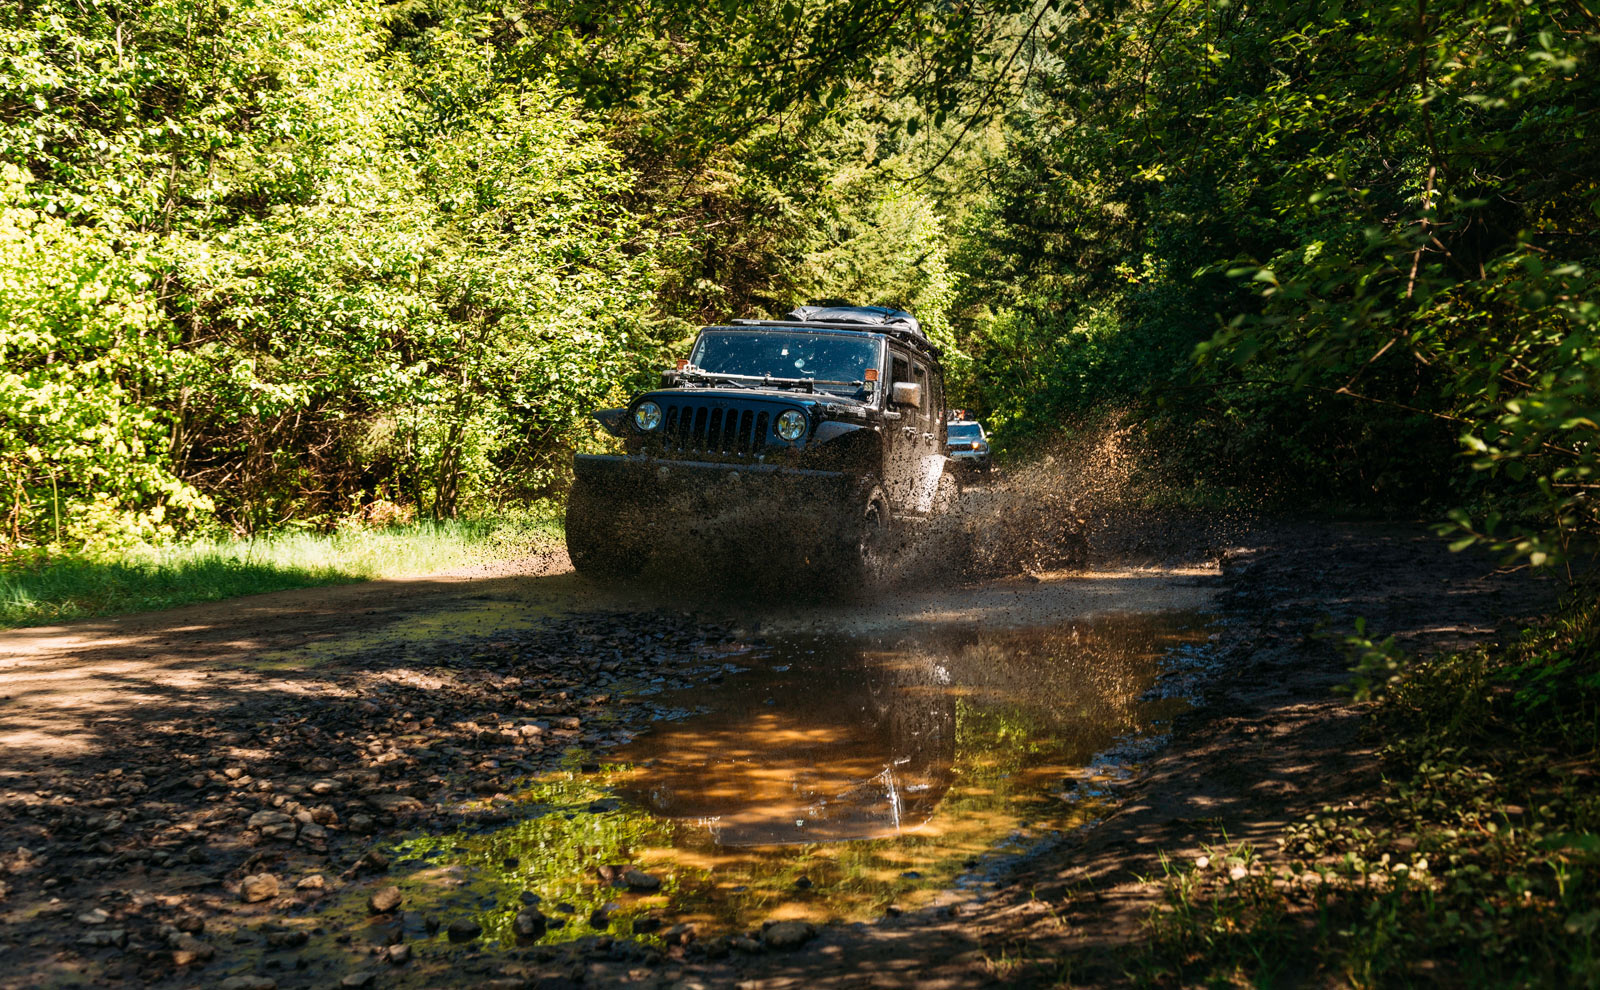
(754, 510)
(654, 478)
(699, 489)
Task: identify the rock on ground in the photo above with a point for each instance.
(258, 887)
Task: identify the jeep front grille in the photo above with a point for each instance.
(702, 431)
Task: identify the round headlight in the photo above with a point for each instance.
(647, 416)
(792, 425)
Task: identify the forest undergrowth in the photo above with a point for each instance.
(1476, 862)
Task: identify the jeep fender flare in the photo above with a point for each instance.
(613, 421)
(832, 430)
(847, 447)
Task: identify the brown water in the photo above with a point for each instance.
(826, 778)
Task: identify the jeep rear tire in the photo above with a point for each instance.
(594, 542)
(947, 496)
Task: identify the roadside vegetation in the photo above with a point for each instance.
(56, 588)
(1475, 863)
(265, 263)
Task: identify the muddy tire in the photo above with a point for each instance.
(594, 543)
(867, 541)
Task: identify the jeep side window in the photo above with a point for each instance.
(926, 412)
(900, 370)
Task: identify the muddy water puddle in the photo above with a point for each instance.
(826, 778)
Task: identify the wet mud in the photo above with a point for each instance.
(501, 763)
(827, 779)
(531, 781)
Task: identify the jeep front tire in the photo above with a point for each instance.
(868, 543)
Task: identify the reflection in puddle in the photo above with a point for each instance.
(831, 778)
(829, 743)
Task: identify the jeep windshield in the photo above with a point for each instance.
(836, 362)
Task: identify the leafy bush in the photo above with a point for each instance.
(264, 260)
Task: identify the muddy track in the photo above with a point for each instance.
(159, 769)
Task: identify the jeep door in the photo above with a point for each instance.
(929, 436)
(901, 438)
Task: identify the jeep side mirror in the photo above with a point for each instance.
(906, 394)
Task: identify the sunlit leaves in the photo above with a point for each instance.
(260, 251)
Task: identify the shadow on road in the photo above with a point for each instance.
(56, 681)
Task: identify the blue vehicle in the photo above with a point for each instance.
(967, 445)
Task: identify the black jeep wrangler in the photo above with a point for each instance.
(817, 436)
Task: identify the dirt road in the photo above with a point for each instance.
(56, 682)
(231, 791)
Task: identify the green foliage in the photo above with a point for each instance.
(80, 337)
(1377, 664)
(1542, 692)
(265, 258)
(1374, 226)
(886, 246)
(268, 261)
(265, 262)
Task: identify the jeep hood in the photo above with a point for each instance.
(825, 403)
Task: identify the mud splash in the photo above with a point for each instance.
(829, 778)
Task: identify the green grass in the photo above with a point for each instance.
(42, 591)
(1475, 863)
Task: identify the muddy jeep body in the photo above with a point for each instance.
(730, 453)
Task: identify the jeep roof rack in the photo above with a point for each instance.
(860, 319)
(901, 334)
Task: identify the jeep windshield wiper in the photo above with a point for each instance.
(701, 375)
(809, 384)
